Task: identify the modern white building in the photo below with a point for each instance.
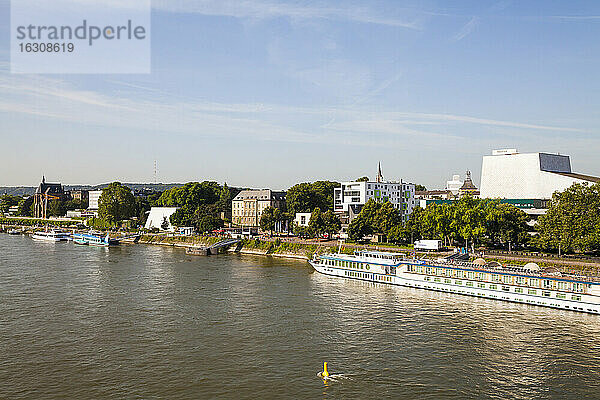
(93, 197)
(160, 218)
(508, 174)
(352, 196)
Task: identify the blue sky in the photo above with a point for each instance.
(268, 94)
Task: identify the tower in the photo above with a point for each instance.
(379, 178)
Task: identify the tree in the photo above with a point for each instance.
(363, 179)
(57, 208)
(116, 203)
(305, 197)
(420, 188)
(26, 207)
(572, 222)
(331, 223)
(195, 200)
(7, 201)
(506, 224)
(316, 224)
(386, 217)
(398, 234)
(359, 228)
(269, 219)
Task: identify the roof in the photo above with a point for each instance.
(264, 194)
(583, 177)
(429, 192)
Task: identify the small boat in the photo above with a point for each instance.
(94, 240)
(14, 232)
(51, 236)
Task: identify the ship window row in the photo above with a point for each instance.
(501, 279)
(346, 264)
(493, 286)
(363, 275)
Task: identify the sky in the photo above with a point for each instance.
(267, 94)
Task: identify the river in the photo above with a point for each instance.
(151, 322)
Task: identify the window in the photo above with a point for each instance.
(532, 291)
(493, 287)
(447, 280)
(576, 297)
(481, 285)
(544, 293)
(561, 296)
(458, 282)
(518, 290)
(469, 284)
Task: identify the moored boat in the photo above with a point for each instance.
(51, 236)
(515, 284)
(94, 240)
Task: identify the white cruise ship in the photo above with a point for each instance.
(569, 292)
(51, 236)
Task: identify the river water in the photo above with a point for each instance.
(150, 322)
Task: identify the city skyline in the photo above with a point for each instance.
(268, 94)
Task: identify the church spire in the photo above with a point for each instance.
(379, 178)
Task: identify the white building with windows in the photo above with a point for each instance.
(302, 219)
(93, 197)
(352, 196)
(508, 174)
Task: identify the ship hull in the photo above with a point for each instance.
(415, 281)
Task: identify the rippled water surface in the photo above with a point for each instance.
(150, 322)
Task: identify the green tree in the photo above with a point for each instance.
(572, 222)
(305, 197)
(359, 228)
(506, 224)
(26, 207)
(331, 223)
(316, 223)
(190, 198)
(386, 217)
(420, 188)
(269, 219)
(7, 201)
(363, 179)
(116, 203)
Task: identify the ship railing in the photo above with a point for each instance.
(518, 271)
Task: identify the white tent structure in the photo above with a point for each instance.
(159, 218)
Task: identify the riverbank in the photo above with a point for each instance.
(275, 247)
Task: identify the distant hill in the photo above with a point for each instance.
(29, 190)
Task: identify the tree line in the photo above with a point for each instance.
(466, 221)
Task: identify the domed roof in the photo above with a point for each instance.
(532, 266)
(479, 261)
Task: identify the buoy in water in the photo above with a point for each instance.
(325, 373)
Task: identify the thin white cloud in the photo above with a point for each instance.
(260, 9)
(467, 29)
(42, 97)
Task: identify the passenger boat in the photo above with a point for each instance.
(94, 240)
(51, 236)
(515, 284)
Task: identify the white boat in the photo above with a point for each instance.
(51, 236)
(515, 284)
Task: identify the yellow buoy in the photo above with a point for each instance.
(325, 373)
